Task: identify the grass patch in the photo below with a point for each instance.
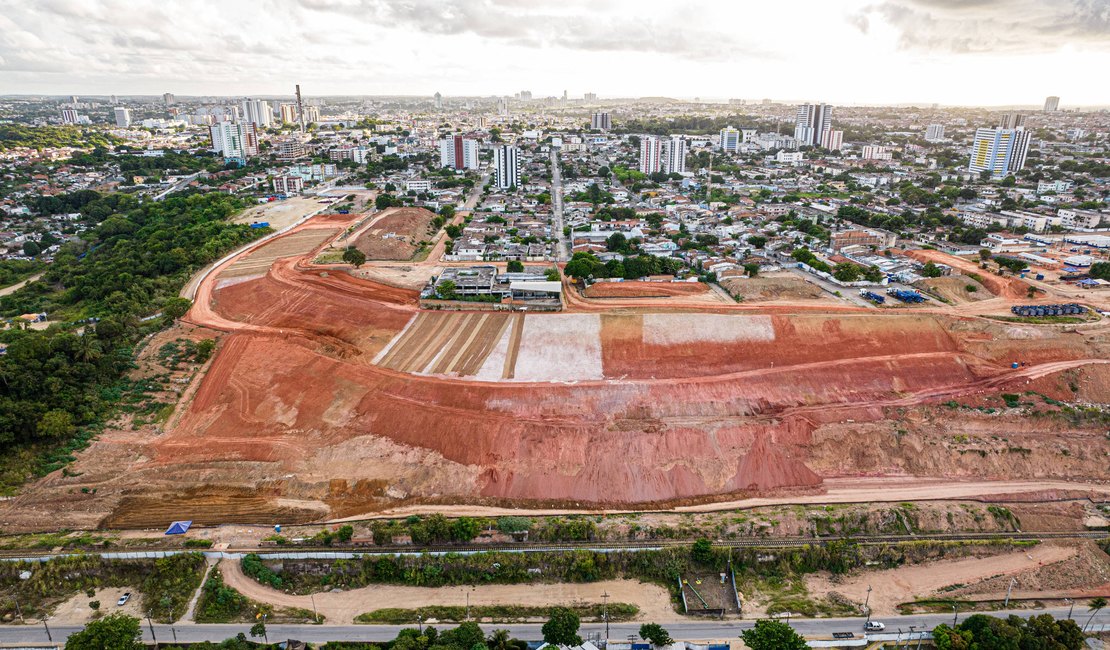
(220, 603)
(494, 613)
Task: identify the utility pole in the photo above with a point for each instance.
(17, 609)
(315, 616)
(174, 633)
(1008, 591)
(955, 613)
(867, 603)
(1071, 606)
(467, 605)
(48, 637)
(605, 613)
(151, 626)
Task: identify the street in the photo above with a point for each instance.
(562, 247)
(698, 630)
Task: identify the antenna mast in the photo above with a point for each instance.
(300, 108)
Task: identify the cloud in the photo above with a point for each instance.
(994, 26)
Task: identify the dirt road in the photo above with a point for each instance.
(10, 289)
(342, 607)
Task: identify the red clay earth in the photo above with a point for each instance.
(1003, 287)
(293, 412)
(645, 289)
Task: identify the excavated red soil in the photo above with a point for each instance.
(1003, 287)
(645, 289)
(396, 235)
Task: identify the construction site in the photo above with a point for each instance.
(333, 394)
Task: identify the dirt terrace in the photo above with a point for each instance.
(396, 234)
(313, 406)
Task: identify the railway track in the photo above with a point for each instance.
(602, 546)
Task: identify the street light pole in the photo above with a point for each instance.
(1009, 590)
(1071, 606)
(605, 613)
(867, 603)
(955, 613)
(151, 626)
(48, 637)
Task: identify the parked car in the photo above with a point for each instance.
(874, 626)
(123, 599)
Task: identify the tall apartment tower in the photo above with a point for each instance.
(258, 112)
(1011, 120)
(651, 154)
(288, 113)
(235, 141)
(674, 155)
(601, 121)
(1051, 104)
(730, 139)
(1001, 151)
(438, 99)
(169, 99)
(506, 161)
(458, 152)
(123, 117)
(832, 140)
(934, 133)
(70, 116)
(811, 123)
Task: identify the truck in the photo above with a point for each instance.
(905, 295)
(872, 296)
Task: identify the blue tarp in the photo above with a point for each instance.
(178, 527)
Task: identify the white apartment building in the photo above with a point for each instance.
(258, 112)
(601, 121)
(234, 141)
(70, 116)
(875, 152)
(674, 155)
(311, 114)
(1059, 186)
(458, 152)
(791, 157)
(506, 160)
(123, 117)
(731, 139)
(832, 140)
(811, 123)
(999, 151)
(1086, 219)
(651, 154)
(1051, 104)
(288, 184)
(288, 113)
(418, 185)
(934, 133)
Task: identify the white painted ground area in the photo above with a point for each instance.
(493, 367)
(677, 329)
(389, 346)
(559, 347)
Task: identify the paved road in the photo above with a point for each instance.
(562, 249)
(684, 631)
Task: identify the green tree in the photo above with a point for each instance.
(56, 424)
(751, 269)
(702, 551)
(617, 242)
(515, 266)
(562, 627)
(655, 633)
(1094, 606)
(354, 256)
(1100, 270)
(176, 307)
(931, 270)
(773, 635)
(205, 347)
(259, 630)
(113, 632)
(757, 241)
(552, 274)
(446, 290)
(465, 529)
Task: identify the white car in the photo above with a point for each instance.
(874, 626)
(123, 599)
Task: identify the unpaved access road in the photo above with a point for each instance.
(894, 586)
(342, 607)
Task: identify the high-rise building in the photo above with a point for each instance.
(506, 161)
(70, 116)
(811, 123)
(875, 152)
(934, 133)
(1051, 104)
(651, 154)
(288, 113)
(589, 97)
(730, 139)
(458, 152)
(674, 156)
(999, 151)
(832, 140)
(601, 121)
(123, 117)
(258, 112)
(502, 106)
(526, 95)
(1011, 120)
(311, 114)
(115, 100)
(438, 100)
(235, 141)
(169, 99)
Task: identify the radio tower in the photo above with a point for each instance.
(300, 108)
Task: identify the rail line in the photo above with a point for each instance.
(563, 547)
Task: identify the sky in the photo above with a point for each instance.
(954, 52)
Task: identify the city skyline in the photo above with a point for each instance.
(892, 52)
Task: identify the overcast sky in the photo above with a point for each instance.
(970, 52)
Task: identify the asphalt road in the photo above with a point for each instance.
(561, 248)
(709, 630)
